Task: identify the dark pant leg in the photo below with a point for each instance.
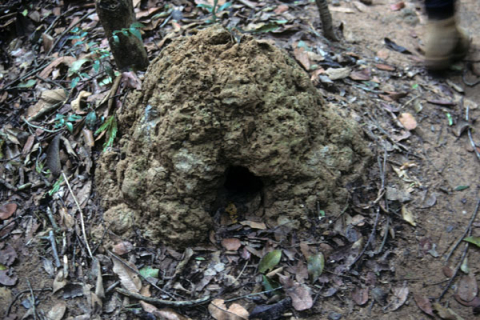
(440, 9)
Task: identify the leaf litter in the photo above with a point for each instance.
(35, 148)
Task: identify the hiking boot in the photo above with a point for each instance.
(445, 43)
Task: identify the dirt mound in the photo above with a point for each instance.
(217, 122)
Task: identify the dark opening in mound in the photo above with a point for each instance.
(240, 181)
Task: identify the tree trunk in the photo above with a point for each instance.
(326, 18)
(127, 49)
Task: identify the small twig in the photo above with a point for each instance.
(38, 127)
(253, 294)
(241, 272)
(35, 71)
(51, 238)
(467, 230)
(19, 295)
(10, 159)
(409, 101)
(81, 215)
(160, 302)
(52, 219)
(32, 300)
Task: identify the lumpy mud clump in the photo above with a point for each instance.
(220, 122)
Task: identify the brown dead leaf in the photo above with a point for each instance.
(281, 9)
(299, 293)
(446, 313)
(447, 271)
(67, 60)
(408, 121)
(125, 271)
(219, 311)
(66, 219)
(231, 244)
(424, 304)
(408, 216)
(360, 296)
(7, 210)
(122, 248)
(88, 137)
(164, 314)
(7, 278)
(28, 145)
(302, 56)
(79, 100)
(254, 225)
(7, 255)
(59, 282)
(400, 295)
(361, 75)
(47, 42)
(467, 288)
(57, 312)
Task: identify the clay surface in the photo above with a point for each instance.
(210, 104)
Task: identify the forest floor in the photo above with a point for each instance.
(395, 252)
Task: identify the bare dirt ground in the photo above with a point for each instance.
(390, 254)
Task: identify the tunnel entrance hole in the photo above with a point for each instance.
(240, 181)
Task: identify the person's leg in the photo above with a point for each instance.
(445, 42)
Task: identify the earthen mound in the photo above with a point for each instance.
(219, 121)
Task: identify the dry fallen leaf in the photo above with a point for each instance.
(408, 121)
(254, 225)
(281, 9)
(446, 313)
(302, 56)
(122, 247)
(424, 304)
(400, 295)
(7, 210)
(59, 282)
(164, 314)
(57, 312)
(408, 216)
(231, 244)
(219, 311)
(467, 288)
(299, 293)
(360, 296)
(128, 278)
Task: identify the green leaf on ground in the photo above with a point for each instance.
(315, 266)
(30, 83)
(269, 284)
(461, 188)
(473, 240)
(269, 261)
(149, 272)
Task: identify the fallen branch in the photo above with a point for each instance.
(160, 302)
(81, 215)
